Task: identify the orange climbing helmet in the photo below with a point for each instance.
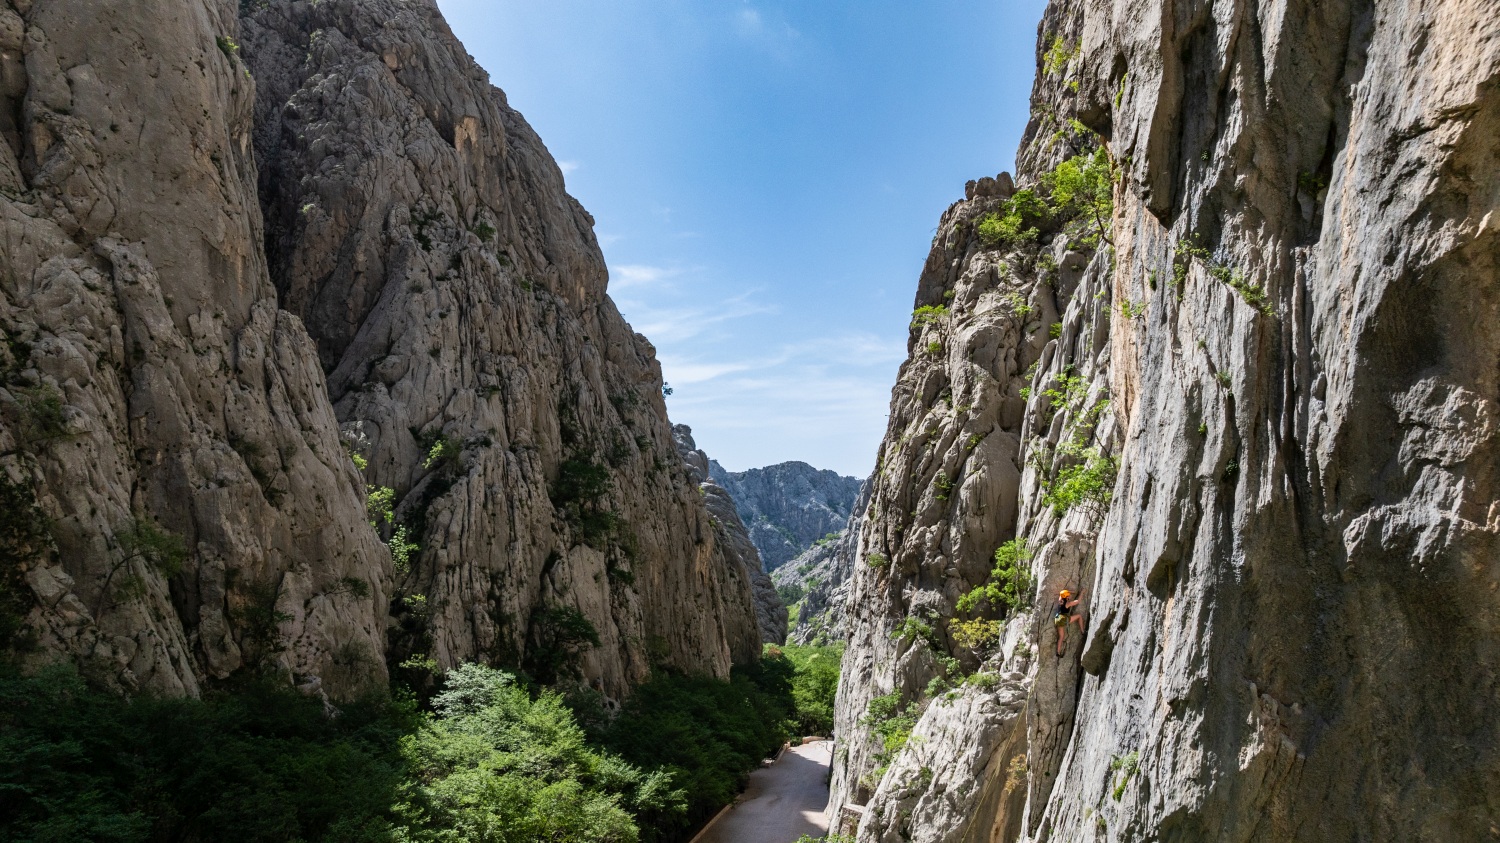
(1065, 594)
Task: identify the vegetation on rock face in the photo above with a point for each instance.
(928, 314)
(1007, 590)
(890, 720)
(1089, 483)
(24, 536)
(1077, 195)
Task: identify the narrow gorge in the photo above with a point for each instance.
(339, 501)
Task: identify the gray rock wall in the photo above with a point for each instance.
(729, 530)
(823, 572)
(195, 512)
(788, 506)
(179, 498)
(1291, 593)
(421, 229)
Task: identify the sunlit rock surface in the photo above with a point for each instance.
(242, 241)
(788, 506)
(1292, 594)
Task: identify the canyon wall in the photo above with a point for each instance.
(822, 574)
(179, 506)
(1280, 354)
(420, 228)
(788, 506)
(265, 261)
(731, 535)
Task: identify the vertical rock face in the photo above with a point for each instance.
(788, 506)
(1291, 584)
(457, 294)
(177, 503)
(732, 539)
(822, 573)
(179, 499)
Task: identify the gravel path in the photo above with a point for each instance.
(784, 801)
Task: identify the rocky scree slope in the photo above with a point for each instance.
(788, 506)
(821, 576)
(730, 533)
(179, 498)
(1277, 372)
(420, 229)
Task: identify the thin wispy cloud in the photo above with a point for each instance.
(772, 34)
(666, 325)
(638, 275)
(697, 140)
(568, 167)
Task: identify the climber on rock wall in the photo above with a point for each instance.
(1064, 615)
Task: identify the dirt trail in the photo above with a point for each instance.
(784, 801)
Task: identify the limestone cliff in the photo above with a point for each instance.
(178, 505)
(422, 231)
(733, 539)
(821, 575)
(1276, 366)
(788, 506)
(178, 452)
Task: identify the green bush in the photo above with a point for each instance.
(709, 733)
(814, 685)
(1010, 583)
(494, 764)
(891, 720)
(1090, 484)
(579, 491)
(927, 314)
(1017, 221)
(1082, 188)
(256, 764)
(559, 635)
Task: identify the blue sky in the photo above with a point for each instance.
(766, 179)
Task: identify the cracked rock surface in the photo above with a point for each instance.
(244, 243)
(1291, 587)
(422, 231)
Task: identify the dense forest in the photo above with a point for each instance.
(488, 756)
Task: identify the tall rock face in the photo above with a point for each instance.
(788, 506)
(733, 539)
(421, 230)
(177, 504)
(1277, 372)
(821, 575)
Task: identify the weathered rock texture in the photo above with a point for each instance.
(179, 501)
(1294, 590)
(788, 506)
(194, 511)
(730, 534)
(822, 575)
(421, 230)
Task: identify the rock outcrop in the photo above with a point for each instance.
(421, 230)
(247, 248)
(1253, 420)
(821, 576)
(178, 504)
(788, 506)
(732, 538)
